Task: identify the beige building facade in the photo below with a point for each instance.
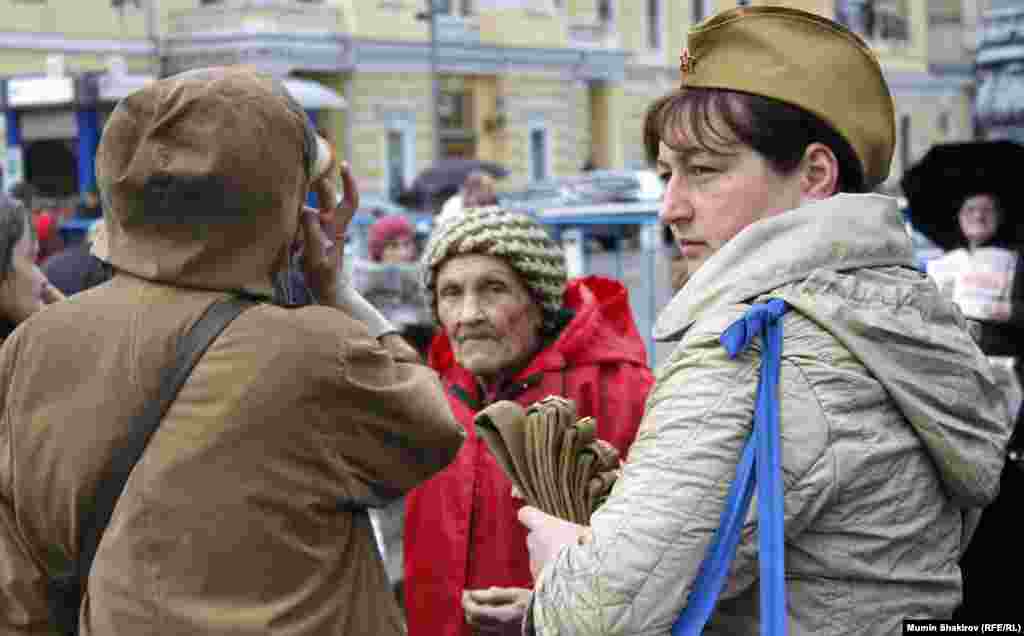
(544, 87)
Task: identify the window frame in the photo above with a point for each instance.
(404, 124)
(701, 9)
(532, 128)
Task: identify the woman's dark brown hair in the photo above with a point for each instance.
(777, 131)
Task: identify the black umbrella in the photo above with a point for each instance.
(937, 185)
(444, 177)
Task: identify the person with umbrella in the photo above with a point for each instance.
(445, 178)
(476, 191)
(984, 278)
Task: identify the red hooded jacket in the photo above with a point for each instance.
(461, 530)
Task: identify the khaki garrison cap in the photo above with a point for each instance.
(802, 59)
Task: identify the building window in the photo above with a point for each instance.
(455, 110)
(891, 20)
(398, 157)
(654, 24)
(701, 9)
(905, 156)
(539, 153)
(877, 20)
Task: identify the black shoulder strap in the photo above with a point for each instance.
(190, 350)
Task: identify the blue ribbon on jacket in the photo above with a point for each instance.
(761, 466)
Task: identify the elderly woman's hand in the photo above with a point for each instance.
(496, 610)
(548, 535)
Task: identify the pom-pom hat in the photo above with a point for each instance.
(517, 239)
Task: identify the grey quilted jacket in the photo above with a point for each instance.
(892, 428)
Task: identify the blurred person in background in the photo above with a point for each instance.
(392, 240)
(76, 268)
(47, 228)
(512, 327)
(478, 190)
(89, 207)
(985, 278)
(26, 193)
(24, 289)
(45, 223)
(390, 281)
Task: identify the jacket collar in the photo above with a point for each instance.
(844, 231)
(467, 389)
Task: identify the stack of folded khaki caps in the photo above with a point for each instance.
(555, 461)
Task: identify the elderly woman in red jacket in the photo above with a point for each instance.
(512, 328)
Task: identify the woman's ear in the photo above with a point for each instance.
(819, 173)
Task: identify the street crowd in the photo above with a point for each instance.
(310, 462)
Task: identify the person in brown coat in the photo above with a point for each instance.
(247, 512)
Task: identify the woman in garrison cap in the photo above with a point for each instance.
(890, 429)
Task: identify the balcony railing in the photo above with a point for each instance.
(257, 17)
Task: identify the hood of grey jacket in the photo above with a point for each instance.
(892, 317)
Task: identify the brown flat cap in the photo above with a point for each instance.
(805, 60)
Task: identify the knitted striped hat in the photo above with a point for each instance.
(518, 239)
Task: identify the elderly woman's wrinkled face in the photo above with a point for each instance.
(488, 314)
(22, 291)
(979, 219)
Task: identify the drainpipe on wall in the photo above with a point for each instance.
(435, 79)
(346, 92)
(153, 35)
